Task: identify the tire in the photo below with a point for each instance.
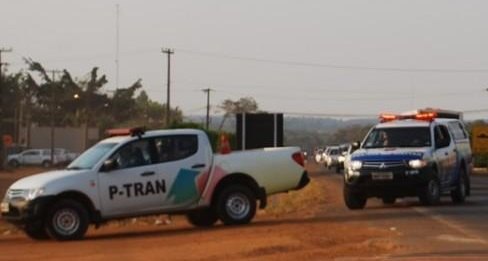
(236, 205)
(36, 231)
(46, 164)
(353, 200)
(388, 200)
(202, 217)
(431, 194)
(67, 220)
(14, 163)
(458, 195)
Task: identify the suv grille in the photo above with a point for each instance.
(383, 164)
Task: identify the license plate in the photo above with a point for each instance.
(382, 175)
(4, 207)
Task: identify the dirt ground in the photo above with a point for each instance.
(296, 225)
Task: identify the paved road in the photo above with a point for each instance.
(448, 230)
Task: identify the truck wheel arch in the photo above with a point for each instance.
(80, 197)
(243, 179)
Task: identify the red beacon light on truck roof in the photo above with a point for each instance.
(426, 116)
(386, 117)
(423, 116)
(138, 131)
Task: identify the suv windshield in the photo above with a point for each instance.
(398, 137)
(90, 157)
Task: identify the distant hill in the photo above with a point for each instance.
(306, 132)
(312, 124)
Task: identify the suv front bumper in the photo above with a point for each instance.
(374, 183)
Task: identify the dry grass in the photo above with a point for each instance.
(305, 201)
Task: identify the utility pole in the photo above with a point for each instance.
(169, 52)
(53, 109)
(117, 45)
(2, 147)
(207, 122)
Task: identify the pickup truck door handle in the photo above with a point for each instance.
(147, 173)
(198, 166)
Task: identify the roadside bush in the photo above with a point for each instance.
(481, 160)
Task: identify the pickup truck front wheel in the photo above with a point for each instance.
(202, 217)
(67, 220)
(35, 230)
(236, 205)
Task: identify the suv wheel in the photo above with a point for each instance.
(236, 205)
(431, 194)
(354, 200)
(13, 163)
(202, 217)
(458, 195)
(67, 220)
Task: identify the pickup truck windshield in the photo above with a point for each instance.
(90, 157)
(398, 137)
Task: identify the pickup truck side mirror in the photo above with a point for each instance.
(109, 165)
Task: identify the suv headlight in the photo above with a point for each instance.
(356, 165)
(417, 164)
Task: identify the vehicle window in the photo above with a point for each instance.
(334, 152)
(176, 147)
(457, 130)
(442, 138)
(398, 137)
(32, 153)
(90, 157)
(134, 154)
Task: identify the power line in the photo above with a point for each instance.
(334, 66)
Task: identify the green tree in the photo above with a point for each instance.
(243, 105)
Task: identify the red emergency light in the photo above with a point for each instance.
(138, 131)
(386, 117)
(424, 116)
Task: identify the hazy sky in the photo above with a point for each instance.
(322, 57)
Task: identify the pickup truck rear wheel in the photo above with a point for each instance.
(354, 200)
(35, 230)
(458, 195)
(202, 217)
(430, 194)
(46, 164)
(67, 220)
(236, 205)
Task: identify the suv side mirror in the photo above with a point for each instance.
(109, 165)
(355, 145)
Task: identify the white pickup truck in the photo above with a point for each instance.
(154, 172)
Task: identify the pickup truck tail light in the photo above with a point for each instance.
(298, 158)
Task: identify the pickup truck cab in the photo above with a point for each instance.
(414, 155)
(154, 172)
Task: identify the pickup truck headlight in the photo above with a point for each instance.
(417, 164)
(26, 194)
(356, 165)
